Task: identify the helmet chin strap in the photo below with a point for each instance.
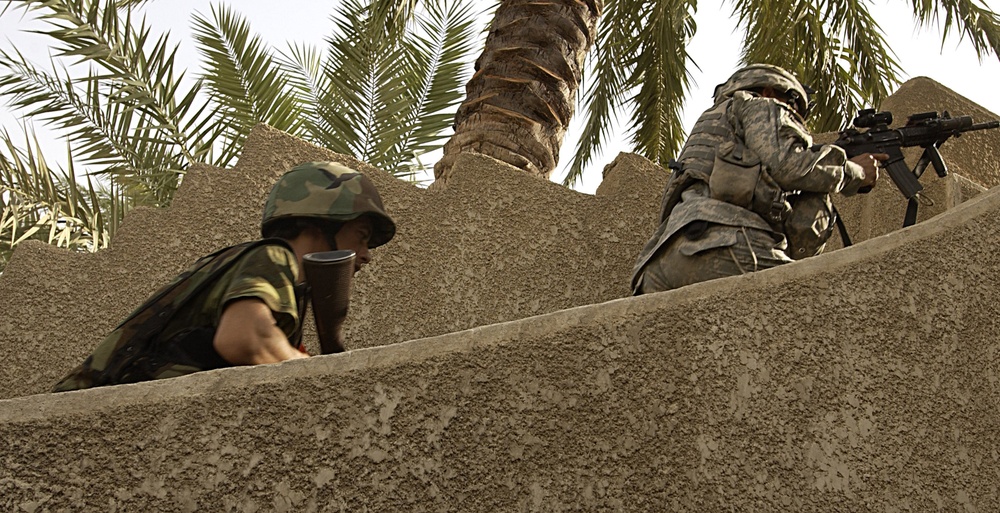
(331, 240)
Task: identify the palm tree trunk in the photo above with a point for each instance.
(522, 96)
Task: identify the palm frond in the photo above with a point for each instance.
(244, 79)
(394, 14)
(366, 83)
(325, 122)
(346, 67)
(436, 64)
(605, 92)
(659, 71)
(38, 202)
(972, 19)
(140, 67)
(107, 134)
(384, 90)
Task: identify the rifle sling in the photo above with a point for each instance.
(909, 220)
(844, 236)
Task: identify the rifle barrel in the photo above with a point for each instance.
(986, 125)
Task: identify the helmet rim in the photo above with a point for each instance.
(328, 191)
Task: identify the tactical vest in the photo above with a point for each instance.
(132, 354)
(712, 129)
(715, 155)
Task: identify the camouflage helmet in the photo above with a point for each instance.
(756, 76)
(328, 191)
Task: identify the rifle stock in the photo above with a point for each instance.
(329, 275)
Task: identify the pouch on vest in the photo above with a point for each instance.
(739, 178)
(734, 174)
(809, 225)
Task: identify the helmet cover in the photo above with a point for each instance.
(756, 76)
(332, 192)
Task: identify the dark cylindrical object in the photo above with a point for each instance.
(329, 276)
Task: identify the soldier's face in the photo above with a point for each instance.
(770, 92)
(355, 235)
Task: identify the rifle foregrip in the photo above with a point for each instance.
(329, 275)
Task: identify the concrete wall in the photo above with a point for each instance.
(864, 379)
(496, 245)
(861, 379)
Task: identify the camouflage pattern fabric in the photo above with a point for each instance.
(775, 134)
(330, 191)
(171, 334)
(757, 76)
(719, 252)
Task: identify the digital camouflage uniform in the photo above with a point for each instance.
(767, 201)
(172, 333)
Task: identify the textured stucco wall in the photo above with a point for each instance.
(861, 380)
(496, 245)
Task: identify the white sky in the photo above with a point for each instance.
(715, 49)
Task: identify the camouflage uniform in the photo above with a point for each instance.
(749, 191)
(172, 334)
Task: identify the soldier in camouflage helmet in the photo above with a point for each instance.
(749, 190)
(245, 304)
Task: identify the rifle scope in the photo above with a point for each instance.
(868, 118)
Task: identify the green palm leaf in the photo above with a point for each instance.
(37, 202)
(605, 92)
(972, 19)
(141, 68)
(386, 96)
(436, 53)
(245, 80)
(659, 71)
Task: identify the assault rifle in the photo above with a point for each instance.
(925, 130)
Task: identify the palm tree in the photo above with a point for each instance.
(522, 96)
(383, 90)
(520, 100)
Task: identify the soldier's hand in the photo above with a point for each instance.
(870, 163)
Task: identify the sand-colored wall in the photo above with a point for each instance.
(863, 379)
(496, 245)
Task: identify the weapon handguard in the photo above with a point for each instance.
(329, 275)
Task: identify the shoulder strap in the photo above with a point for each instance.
(844, 237)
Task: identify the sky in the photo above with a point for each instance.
(715, 49)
